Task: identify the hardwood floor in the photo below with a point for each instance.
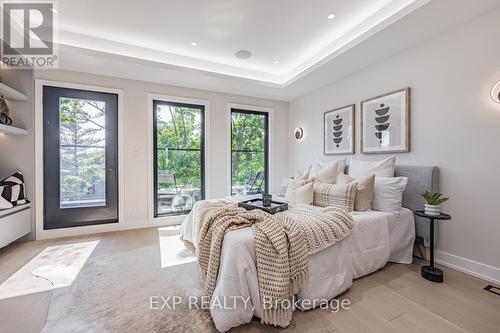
(393, 299)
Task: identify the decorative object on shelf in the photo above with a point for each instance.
(338, 131)
(495, 92)
(385, 123)
(266, 200)
(434, 201)
(430, 272)
(274, 208)
(298, 133)
(4, 112)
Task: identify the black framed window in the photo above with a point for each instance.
(179, 156)
(249, 152)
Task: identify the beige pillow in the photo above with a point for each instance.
(335, 195)
(300, 193)
(325, 173)
(364, 193)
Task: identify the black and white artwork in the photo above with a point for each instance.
(339, 131)
(385, 123)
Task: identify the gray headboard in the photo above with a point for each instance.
(420, 179)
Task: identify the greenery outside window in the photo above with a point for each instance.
(249, 152)
(179, 155)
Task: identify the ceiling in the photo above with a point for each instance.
(155, 42)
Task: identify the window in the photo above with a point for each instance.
(249, 152)
(179, 155)
(82, 148)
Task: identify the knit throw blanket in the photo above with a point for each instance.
(283, 244)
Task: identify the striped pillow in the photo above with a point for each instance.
(12, 189)
(335, 195)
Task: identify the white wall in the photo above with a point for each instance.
(454, 125)
(135, 109)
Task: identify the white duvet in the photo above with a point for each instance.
(376, 238)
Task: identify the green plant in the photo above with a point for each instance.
(434, 198)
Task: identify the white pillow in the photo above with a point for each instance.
(341, 163)
(301, 175)
(388, 194)
(326, 172)
(361, 169)
(4, 204)
(295, 193)
(285, 181)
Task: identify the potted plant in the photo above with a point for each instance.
(434, 201)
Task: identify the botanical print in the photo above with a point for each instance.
(339, 131)
(385, 122)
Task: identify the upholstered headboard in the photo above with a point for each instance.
(420, 179)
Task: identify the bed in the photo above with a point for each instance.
(376, 238)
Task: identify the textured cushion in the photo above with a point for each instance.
(12, 189)
(4, 204)
(300, 193)
(364, 193)
(335, 195)
(384, 168)
(388, 193)
(326, 172)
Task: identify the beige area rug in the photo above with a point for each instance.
(112, 292)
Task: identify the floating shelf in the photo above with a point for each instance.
(11, 93)
(12, 130)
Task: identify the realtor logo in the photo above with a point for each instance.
(28, 35)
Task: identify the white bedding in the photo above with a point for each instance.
(376, 238)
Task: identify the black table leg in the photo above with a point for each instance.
(430, 272)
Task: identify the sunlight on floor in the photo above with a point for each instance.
(55, 267)
(172, 248)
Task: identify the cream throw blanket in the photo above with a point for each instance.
(283, 244)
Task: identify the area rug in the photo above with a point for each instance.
(113, 293)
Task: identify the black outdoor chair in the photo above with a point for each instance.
(256, 183)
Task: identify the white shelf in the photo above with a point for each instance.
(12, 130)
(11, 93)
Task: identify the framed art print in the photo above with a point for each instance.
(385, 123)
(339, 131)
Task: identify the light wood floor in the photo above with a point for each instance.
(393, 299)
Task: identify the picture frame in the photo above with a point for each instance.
(385, 123)
(338, 131)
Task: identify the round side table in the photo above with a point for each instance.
(430, 272)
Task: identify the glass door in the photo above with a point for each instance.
(80, 157)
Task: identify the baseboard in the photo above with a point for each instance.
(102, 228)
(474, 268)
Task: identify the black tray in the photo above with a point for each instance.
(275, 207)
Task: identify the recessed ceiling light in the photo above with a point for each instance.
(243, 54)
(276, 61)
(331, 16)
(193, 43)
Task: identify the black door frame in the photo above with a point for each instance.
(50, 126)
(201, 107)
(266, 143)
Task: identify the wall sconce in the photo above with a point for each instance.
(495, 92)
(298, 133)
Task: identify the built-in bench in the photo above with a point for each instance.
(14, 223)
